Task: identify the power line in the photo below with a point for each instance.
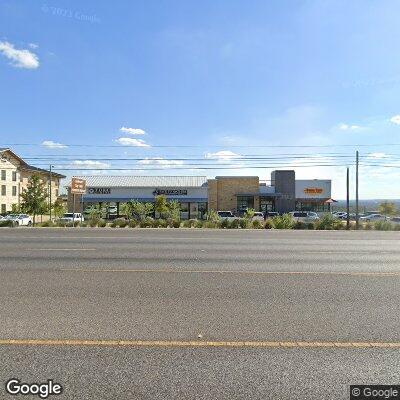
(210, 145)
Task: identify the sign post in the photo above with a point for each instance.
(78, 186)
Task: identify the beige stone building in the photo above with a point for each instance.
(14, 177)
(198, 194)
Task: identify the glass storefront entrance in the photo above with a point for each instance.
(267, 204)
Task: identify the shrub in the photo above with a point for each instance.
(72, 224)
(199, 223)
(146, 223)
(210, 224)
(225, 223)
(161, 223)
(383, 226)
(102, 223)
(132, 223)
(368, 226)
(284, 221)
(83, 224)
(396, 227)
(60, 224)
(6, 223)
(176, 223)
(329, 222)
(94, 222)
(257, 224)
(300, 225)
(244, 223)
(234, 224)
(213, 216)
(47, 224)
(311, 226)
(121, 223)
(189, 223)
(113, 224)
(268, 224)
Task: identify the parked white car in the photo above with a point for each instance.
(304, 216)
(69, 217)
(226, 215)
(20, 219)
(374, 217)
(258, 216)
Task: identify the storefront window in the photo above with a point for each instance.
(193, 214)
(245, 202)
(312, 206)
(267, 204)
(184, 210)
(202, 210)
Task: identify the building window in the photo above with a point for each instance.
(3, 190)
(3, 209)
(184, 210)
(3, 174)
(245, 202)
(202, 210)
(14, 190)
(267, 204)
(14, 176)
(316, 206)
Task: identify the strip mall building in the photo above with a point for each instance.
(197, 194)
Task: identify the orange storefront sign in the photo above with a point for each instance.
(313, 190)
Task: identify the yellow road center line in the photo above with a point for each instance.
(61, 249)
(194, 343)
(192, 271)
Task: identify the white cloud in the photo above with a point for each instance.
(90, 163)
(378, 155)
(133, 131)
(126, 141)
(395, 119)
(19, 58)
(161, 162)
(223, 155)
(33, 45)
(346, 127)
(53, 145)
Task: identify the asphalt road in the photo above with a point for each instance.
(321, 310)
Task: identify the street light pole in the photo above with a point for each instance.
(50, 190)
(357, 212)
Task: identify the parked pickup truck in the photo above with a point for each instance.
(69, 217)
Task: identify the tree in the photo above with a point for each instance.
(138, 210)
(15, 208)
(58, 208)
(34, 197)
(213, 216)
(161, 205)
(249, 214)
(95, 211)
(387, 208)
(174, 210)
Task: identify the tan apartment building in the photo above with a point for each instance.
(14, 177)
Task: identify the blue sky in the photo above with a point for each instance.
(212, 74)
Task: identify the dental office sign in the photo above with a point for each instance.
(170, 192)
(78, 186)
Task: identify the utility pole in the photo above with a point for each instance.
(50, 191)
(357, 222)
(348, 200)
(50, 178)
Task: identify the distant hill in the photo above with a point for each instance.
(364, 205)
